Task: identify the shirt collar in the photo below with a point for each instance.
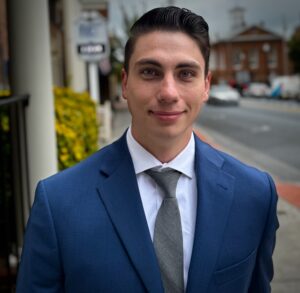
(143, 160)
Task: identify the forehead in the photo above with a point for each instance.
(166, 46)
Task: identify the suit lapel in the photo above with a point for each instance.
(119, 193)
(215, 195)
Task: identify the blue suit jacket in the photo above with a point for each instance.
(87, 231)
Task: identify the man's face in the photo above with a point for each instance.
(165, 87)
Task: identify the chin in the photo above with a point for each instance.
(171, 133)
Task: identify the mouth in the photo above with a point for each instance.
(167, 116)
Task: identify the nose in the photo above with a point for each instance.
(168, 92)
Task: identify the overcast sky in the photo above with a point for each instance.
(277, 15)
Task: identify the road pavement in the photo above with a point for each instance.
(269, 130)
(287, 251)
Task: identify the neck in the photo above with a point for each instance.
(164, 149)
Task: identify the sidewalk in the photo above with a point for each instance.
(287, 251)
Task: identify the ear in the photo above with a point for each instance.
(124, 83)
(207, 86)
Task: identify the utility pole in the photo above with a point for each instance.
(284, 45)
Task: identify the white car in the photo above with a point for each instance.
(257, 89)
(223, 95)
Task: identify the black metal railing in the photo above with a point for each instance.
(14, 185)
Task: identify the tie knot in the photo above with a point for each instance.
(167, 179)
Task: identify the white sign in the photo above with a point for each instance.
(92, 37)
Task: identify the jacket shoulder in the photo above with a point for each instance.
(244, 174)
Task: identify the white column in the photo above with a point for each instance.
(31, 73)
(75, 67)
(94, 81)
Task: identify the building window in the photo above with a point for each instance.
(222, 63)
(237, 59)
(272, 58)
(253, 58)
(213, 60)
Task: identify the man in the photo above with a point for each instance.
(101, 225)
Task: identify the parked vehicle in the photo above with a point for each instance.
(286, 87)
(223, 95)
(258, 90)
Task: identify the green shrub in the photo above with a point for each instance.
(76, 126)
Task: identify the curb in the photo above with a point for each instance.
(289, 191)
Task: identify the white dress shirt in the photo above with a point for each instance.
(151, 194)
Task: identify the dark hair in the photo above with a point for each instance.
(171, 19)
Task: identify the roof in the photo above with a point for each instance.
(254, 33)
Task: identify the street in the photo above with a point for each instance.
(263, 131)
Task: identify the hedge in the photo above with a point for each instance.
(76, 126)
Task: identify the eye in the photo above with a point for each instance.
(149, 73)
(187, 74)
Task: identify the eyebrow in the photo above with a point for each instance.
(185, 64)
(147, 61)
(190, 64)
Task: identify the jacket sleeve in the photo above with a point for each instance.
(40, 268)
(263, 271)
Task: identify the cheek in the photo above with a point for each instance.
(140, 95)
(195, 100)
(137, 103)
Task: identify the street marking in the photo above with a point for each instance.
(261, 129)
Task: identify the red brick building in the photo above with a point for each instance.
(253, 54)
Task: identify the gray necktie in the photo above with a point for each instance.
(167, 240)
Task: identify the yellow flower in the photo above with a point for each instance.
(76, 126)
